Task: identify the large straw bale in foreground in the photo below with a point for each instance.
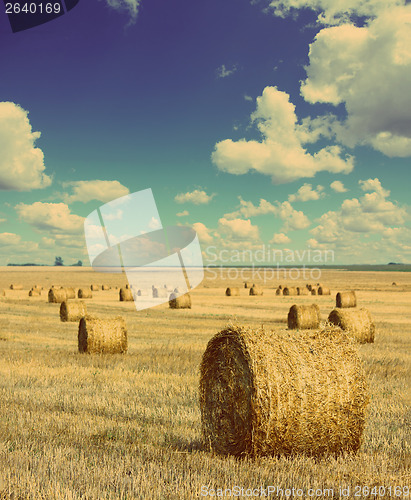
(57, 295)
(256, 290)
(323, 290)
(72, 311)
(271, 393)
(357, 322)
(97, 335)
(232, 291)
(85, 293)
(126, 295)
(304, 317)
(16, 287)
(180, 301)
(346, 299)
(289, 290)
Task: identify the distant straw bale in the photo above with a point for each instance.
(304, 317)
(57, 295)
(394, 283)
(280, 287)
(289, 290)
(97, 335)
(72, 311)
(356, 322)
(126, 295)
(71, 293)
(85, 293)
(323, 290)
(180, 301)
(95, 288)
(34, 292)
(278, 291)
(16, 287)
(256, 290)
(232, 291)
(144, 292)
(271, 393)
(309, 287)
(160, 293)
(245, 285)
(346, 299)
(302, 290)
(314, 290)
(105, 287)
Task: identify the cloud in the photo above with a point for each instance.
(9, 239)
(248, 98)
(85, 191)
(347, 61)
(21, 163)
(132, 6)
(371, 213)
(203, 232)
(280, 239)
(280, 154)
(293, 219)
(184, 213)
(196, 197)
(307, 193)
(238, 229)
(223, 71)
(53, 217)
(334, 12)
(338, 187)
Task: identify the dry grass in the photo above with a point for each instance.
(128, 427)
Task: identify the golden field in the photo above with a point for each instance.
(128, 426)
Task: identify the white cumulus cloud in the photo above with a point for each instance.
(131, 6)
(338, 187)
(280, 239)
(307, 193)
(280, 154)
(86, 191)
(197, 197)
(21, 162)
(54, 217)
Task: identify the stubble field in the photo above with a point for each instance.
(128, 426)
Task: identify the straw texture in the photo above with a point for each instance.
(304, 317)
(72, 311)
(180, 301)
(97, 335)
(357, 323)
(232, 291)
(346, 299)
(272, 393)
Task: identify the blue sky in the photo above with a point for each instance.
(285, 124)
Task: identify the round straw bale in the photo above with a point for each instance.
(94, 288)
(16, 287)
(256, 290)
(128, 286)
(85, 293)
(302, 290)
(126, 295)
(309, 287)
(303, 317)
(323, 290)
(245, 285)
(180, 301)
(72, 311)
(394, 283)
(71, 293)
(346, 299)
(97, 335)
(278, 291)
(57, 295)
(105, 287)
(280, 287)
(289, 290)
(314, 290)
(356, 322)
(270, 393)
(159, 292)
(232, 291)
(144, 292)
(34, 292)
